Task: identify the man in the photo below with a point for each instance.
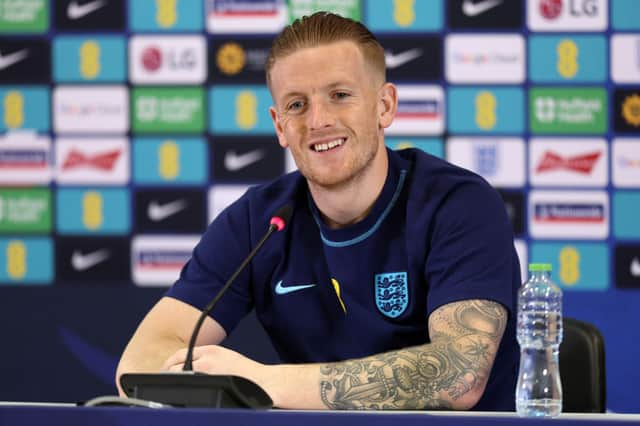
(394, 284)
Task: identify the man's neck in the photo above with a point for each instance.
(351, 202)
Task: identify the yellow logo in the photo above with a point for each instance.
(336, 288)
(569, 259)
(92, 216)
(13, 109)
(230, 58)
(166, 14)
(89, 59)
(246, 110)
(169, 160)
(16, 259)
(403, 13)
(404, 145)
(631, 110)
(486, 110)
(567, 64)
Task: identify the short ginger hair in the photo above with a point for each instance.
(323, 28)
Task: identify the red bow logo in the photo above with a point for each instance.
(580, 163)
(103, 161)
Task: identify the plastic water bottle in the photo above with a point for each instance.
(539, 391)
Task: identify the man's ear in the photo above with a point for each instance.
(277, 125)
(388, 104)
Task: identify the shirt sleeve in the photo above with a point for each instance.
(222, 248)
(471, 253)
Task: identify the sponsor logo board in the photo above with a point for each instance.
(25, 210)
(157, 260)
(403, 16)
(90, 109)
(421, 111)
(168, 109)
(485, 58)
(625, 58)
(626, 205)
(87, 261)
(233, 60)
(170, 211)
(88, 15)
(484, 14)
(89, 59)
(170, 161)
(625, 162)
(498, 110)
(84, 211)
(166, 16)
(567, 15)
(576, 58)
(167, 59)
(22, 17)
(25, 158)
(240, 110)
(24, 107)
(221, 196)
(568, 110)
(245, 16)
(626, 110)
(576, 266)
(499, 160)
(92, 161)
(237, 160)
(569, 214)
(24, 61)
(569, 162)
(26, 260)
(433, 146)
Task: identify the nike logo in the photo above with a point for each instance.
(82, 262)
(472, 9)
(77, 11)
(7, 60)
(286, 290)
(635, 267)
(397, 60)
(158, 212)
(234, 162)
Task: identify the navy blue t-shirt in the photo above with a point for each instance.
(436, 234)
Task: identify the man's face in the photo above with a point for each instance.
(331, 109)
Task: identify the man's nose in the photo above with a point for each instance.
(319, 116)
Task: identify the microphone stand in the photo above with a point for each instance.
(190, 388)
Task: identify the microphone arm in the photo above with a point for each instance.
(189, 388)
(188, 362)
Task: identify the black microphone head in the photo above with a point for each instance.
(282, 216)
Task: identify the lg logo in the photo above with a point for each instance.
(551, 9)
(152, 59)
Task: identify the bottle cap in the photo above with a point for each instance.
(539, 267)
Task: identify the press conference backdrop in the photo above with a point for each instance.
(125, 127)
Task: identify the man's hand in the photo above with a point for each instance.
(214, 359)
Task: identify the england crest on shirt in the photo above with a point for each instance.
(392, 293)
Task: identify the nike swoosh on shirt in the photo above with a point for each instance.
(472, 9)
(12, 58)
(158, 212)
(290, 289)
(82, 262)
(234, 162)
(77, 11)
(397, 60)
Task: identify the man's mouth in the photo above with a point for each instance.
(326, 146)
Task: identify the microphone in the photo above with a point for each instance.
(190, 388)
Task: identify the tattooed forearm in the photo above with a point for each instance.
(465, 337)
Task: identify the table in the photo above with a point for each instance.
(32, 414)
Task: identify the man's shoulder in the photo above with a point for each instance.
(436, 175)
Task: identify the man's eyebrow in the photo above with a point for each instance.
(333, 85)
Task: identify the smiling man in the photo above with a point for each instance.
(394, 284)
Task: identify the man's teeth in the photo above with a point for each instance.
(327, 146)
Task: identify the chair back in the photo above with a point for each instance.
(582, 368)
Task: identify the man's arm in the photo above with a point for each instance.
(451, 372)
(165, 329)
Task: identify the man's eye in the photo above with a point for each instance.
(341, 95)
(294, 106)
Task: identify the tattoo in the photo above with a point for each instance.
(465, 337)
